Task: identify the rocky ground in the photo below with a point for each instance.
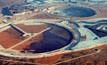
(5, 3)
(96, 59)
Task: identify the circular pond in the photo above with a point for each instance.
(76, 11)
(55, 38)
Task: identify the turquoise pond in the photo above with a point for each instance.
(77, 11)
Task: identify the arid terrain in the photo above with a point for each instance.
(97, 59)
(5, 3)
(10, 37)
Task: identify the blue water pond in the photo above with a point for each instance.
(77, 11)
(50, 42)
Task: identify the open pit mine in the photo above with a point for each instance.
(53, 32)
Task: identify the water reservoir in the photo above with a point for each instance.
(76, 11)
(54, 38)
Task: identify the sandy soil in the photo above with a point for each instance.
(43, 16)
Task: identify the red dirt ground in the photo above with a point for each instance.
(48, 60)
(26, 44)
(97, 59)
(32, 28)
(9, 38)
